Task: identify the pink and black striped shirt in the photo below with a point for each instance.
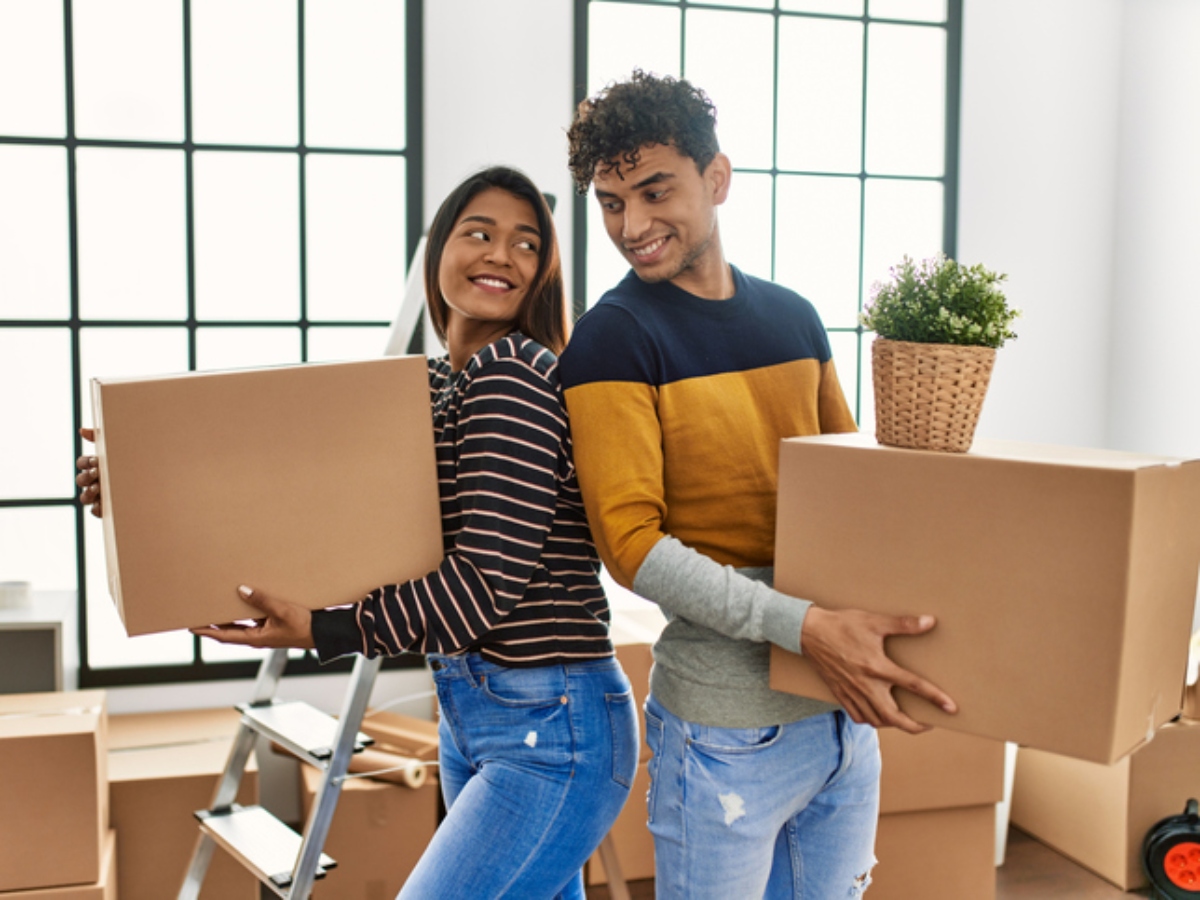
(519, 582)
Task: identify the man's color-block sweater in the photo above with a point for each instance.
(677, 406)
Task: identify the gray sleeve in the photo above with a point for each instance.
(690, 585)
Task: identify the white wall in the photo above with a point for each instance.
(498, 90)
(1154, 393)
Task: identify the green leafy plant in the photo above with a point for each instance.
(940, 301)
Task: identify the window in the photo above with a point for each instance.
(840, 118)
(185, 186)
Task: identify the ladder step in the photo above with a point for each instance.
(299, 727)
(261, 842)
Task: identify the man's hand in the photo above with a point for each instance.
(88, 478)
(846, 647)
(286, 624)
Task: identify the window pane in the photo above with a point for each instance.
(744, 4)
(354, 74)
(356, 237)
(108, 645)
(244, 72)
(129, 69)
(829, 7)
(844, 345)
(622, 37)
(820, 95)
(902, 217)
(742, 84)
(37, 454)
(132, 253)
(332, 344)
(33, 102)
(746, 224)
(128, 352)
(817, 237)
(37, 544)
(34, 273)
(917, 10)
(246, 347)
(906, 100)
(606, 265)
(247, 230)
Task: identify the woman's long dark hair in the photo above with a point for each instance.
(543, 314)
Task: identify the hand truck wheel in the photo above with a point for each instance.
(1171, 855)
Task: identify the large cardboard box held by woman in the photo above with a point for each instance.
(314, 483)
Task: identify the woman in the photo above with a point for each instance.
(538, 732)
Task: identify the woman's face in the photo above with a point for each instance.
(490, 261)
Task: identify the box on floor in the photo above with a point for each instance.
(163, 767)
(379, 831)
(1099, 815)
(54, 815)
(104, 888)
(356, 435)
(1063, 580)
(632, 840)
(937, 790)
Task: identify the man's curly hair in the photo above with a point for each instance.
(611, 128)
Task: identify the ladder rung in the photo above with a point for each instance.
(262, 843)
(299, 727)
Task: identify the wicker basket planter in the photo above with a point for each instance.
(928, 396)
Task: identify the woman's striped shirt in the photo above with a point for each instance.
(519, 582)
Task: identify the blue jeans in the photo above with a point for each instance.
(787, 811)
(535, 766)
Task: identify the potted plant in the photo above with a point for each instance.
(938, 324)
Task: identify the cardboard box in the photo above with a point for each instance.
(1063, 579)
(939, 769)
(633, 631)
(1099, 815)
(54, 801)
(406, 735)
(941, 854)
(162, 768)
(378, 833)
(316, 483)
(632, 840)
(105, 888)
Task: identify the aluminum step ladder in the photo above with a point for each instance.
(286, 862)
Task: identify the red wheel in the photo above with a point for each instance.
(1171, 856)
(1181, 864)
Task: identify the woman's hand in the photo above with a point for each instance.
(88, 478)
(285, 625)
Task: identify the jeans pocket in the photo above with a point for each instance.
(544, 686)
(623, 728)
(654, 738)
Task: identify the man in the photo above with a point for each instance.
(680, 384)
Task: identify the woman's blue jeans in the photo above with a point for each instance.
(535, 766)
(787, 811)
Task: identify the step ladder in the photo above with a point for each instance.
(286, 862)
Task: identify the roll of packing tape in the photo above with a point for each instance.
(389, 767)
(16, 595)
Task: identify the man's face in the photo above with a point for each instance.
(662, 215)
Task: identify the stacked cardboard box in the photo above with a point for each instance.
(1099, 815)
(294, 476)
(163, 767)
(54, 816)
(1063, 580)
(636, 625)
(380, 828)
(937, 824)
(104, 888)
